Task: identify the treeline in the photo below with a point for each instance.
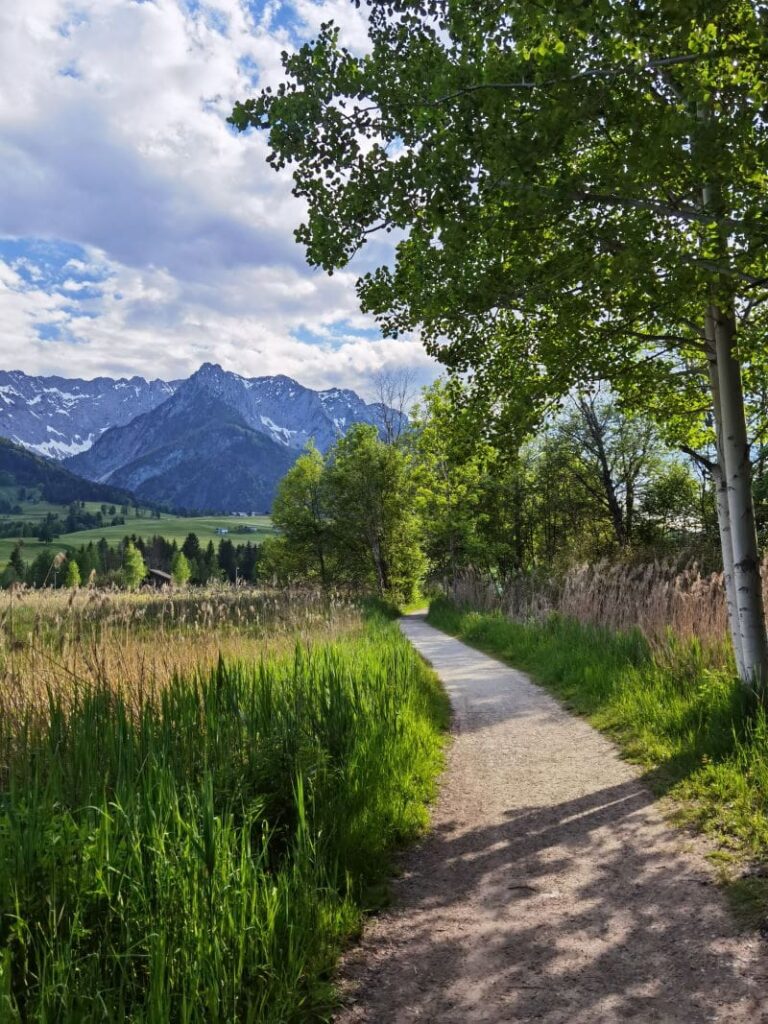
(597, 481)
(128, 563)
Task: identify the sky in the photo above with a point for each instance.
(139, 234)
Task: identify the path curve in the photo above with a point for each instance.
(550, 888)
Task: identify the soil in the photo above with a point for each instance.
(551, 887)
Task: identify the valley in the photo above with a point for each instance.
(240, 530)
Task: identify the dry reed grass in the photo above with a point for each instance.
(54, 643)
(658, 599)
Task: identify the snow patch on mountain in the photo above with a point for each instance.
(76, 411)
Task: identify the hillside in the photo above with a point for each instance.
(56, 483)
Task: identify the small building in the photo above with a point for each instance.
(222, 531)
(158, 578)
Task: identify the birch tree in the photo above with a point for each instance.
(580, 194)
(300, 512)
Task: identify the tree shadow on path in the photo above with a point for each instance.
(587, 910)
(551, 888)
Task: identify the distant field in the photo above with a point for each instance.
(170, 527)
(177, 528)
(35, 511)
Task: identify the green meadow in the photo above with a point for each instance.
(241, 529)
(201, 854)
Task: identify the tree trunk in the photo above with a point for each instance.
(380, 565)
(630, 510)
(726, 546)
(721, 501)
(733, 456)
(595, 429)
(738, 479)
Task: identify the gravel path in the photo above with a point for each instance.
(551, 888)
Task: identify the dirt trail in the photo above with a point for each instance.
(551, 888)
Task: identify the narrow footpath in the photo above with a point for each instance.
(551, 887)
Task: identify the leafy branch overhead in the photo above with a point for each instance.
(578, 192)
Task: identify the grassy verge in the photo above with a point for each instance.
(204, 856)
(675, 711)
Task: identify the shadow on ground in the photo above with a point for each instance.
(551, 888)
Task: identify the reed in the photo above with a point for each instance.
(199, 851)
(661, 600)
(54, 642)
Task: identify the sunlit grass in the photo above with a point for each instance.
(54, 641)
(200, 851)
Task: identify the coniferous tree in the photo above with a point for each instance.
(191, 547)
(16, 562)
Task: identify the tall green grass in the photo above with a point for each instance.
(672, 708)
(204, 858)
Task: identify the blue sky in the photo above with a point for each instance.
(138, 233)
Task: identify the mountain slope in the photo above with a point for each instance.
(61, 418)
(221, 442)
(58, 417)
(58, 485)
(214, 442)
(194, 452)
(283, 409)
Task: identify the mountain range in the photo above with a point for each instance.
(215, 442)
(58, 417)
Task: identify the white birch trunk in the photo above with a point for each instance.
(726, 546)
(738, 478)
(733, 456)
(721, 501)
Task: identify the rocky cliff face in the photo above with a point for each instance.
(59, 417)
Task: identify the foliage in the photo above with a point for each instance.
(370, 489)
(516, 146)
(350, 518)
(579, 191)
(301, 513)
(134, 568)
(597, 482)
(202, 856)
(72, 578)
(180, 569)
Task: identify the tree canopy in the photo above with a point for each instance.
(578, 193)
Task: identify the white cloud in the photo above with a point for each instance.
(113, 137)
